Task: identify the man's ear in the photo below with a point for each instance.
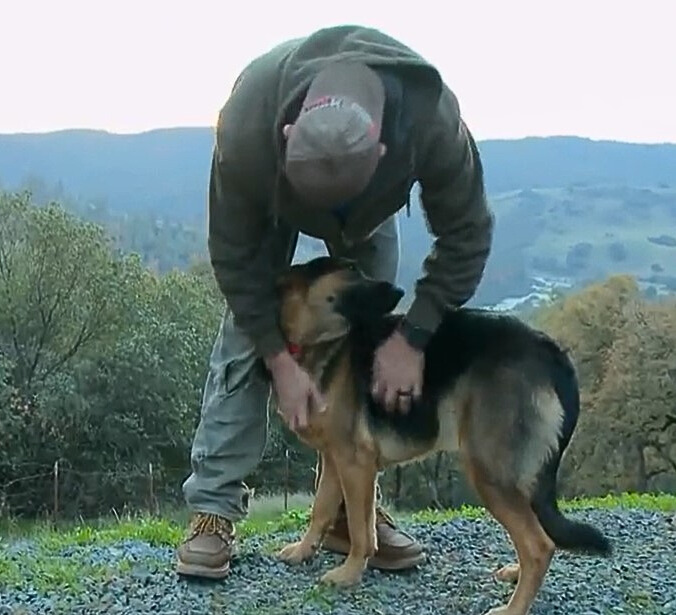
(367, 301)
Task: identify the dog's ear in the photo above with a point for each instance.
(287, 280)
(282, 281)
(368, 300)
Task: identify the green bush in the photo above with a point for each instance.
(102, 362)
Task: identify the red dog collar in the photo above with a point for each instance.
(294, 350)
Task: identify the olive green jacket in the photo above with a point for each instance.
(248, 194)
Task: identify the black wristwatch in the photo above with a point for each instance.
(417, 337)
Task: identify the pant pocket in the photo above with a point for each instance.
(238, 373)
(233, 358)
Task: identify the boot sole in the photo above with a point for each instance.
(402, 563)
(196, 570)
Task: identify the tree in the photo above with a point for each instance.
(59, 288)
(638, 403)
(625, 351)
(102, 360)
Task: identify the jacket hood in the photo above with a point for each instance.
(306, 56)
(309, 55)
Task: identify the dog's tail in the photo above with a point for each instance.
(565, 533)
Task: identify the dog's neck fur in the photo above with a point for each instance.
(320, 357)
(317, 358)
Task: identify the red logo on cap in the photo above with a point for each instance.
(333, 101)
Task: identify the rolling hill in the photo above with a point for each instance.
(569, 210)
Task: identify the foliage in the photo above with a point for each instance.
(103, 360)
(625, 351)
(61, 289)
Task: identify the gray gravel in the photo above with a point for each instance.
(641, 577)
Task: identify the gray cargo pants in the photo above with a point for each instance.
(231, 435)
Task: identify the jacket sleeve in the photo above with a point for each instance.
(453, 197)
(239, 241)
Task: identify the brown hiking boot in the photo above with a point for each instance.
(396, 549)
(207, 550)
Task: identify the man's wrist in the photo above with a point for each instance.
(276, 360)
(417, 337)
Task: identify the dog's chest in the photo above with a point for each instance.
(395, 449)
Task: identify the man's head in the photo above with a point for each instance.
(333, 147)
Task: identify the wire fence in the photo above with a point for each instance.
(63, 491)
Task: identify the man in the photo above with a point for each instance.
(324, 135)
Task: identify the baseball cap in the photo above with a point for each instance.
(333, 148)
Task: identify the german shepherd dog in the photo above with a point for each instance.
(501, 395)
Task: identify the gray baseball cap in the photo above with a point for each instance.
(333, 147)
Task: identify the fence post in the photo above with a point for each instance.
(151, 488)
(56, 490)
(286, 479)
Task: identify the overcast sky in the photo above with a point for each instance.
(601, 68)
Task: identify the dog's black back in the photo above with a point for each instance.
(479, 340)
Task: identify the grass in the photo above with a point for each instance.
(45, 568)
(662, 502)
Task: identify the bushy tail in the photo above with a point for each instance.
(565, 533)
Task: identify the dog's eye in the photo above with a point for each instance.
(331, 298)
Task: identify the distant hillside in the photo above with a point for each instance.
(568, 209)
(166, 170)
(570, 236)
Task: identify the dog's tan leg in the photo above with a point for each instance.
(534, 548)
(324, 510)
(358, 480)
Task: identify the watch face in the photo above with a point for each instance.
(415, 336)
(407, 326)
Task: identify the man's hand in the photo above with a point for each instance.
(297, 394)
(397, 373)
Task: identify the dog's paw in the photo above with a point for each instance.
(296, 552)
(343, 576)
(507, 574)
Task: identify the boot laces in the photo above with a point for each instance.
(382, 516)
(205, 523)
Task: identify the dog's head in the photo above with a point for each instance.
(321, 300)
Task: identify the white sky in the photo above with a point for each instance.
(596, 68)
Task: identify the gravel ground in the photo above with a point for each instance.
(641, 578)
